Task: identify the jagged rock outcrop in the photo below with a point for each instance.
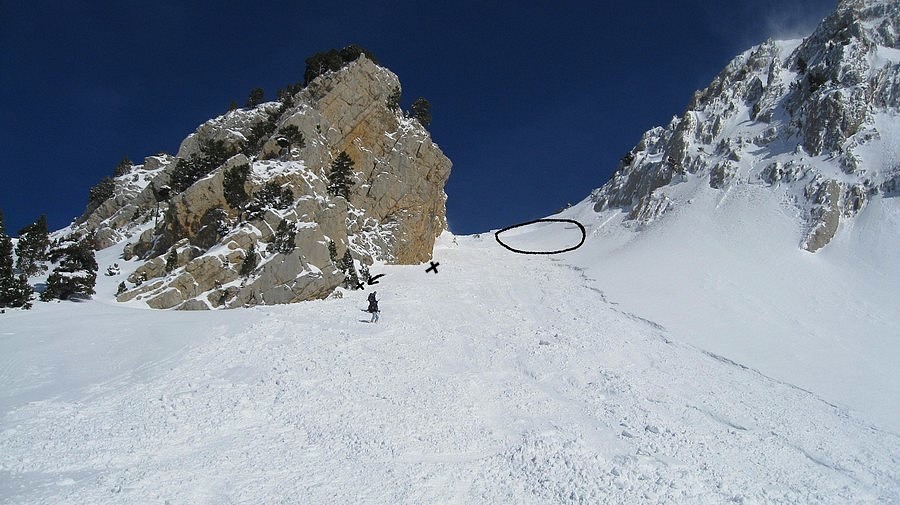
(222, 198)
(133, 202)
(816, 118)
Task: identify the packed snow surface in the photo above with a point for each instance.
(502, 378)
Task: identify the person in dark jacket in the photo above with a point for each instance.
(373, 307)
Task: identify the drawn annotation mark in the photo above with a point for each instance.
(520, 251)
(432, 267)
(374, 279)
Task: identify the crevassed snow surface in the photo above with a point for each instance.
(503, 378)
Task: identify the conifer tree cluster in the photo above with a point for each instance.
(331, 60)
(284, 237)
(214, 225)
(76, 272)
(234, 180)
(421, 110)
(172, 260)
(256, 97)
(99, 193)
(351, 278)
(123, 167)
(294, 136)
(250, 261)
(188, 171)
(260, 133)
(14, 290)
(393, 100)
(270, 196)
(341, 177)
(332, 252)
(105, 189)
(31, 251)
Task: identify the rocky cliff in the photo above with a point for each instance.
(242, 214)
(815, 118)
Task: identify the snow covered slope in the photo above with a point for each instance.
(724, 273)
(794, 143)
(503, 378)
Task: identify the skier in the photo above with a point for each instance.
(373, 307)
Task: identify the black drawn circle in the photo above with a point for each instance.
(519, 251)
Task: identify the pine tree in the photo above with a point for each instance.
(393, 100)
(14, 290)
(332, 252)
(351, 279)
(76, 272)
(364, 273)
(256, 97)
(320, 63)
(31, 250)
(353, 52)
(99, 193)
(270, 196)
(171, 260)
(234, 180)
(185, 173)
(123, 167)
(284, 237)
(294, 136)
(260, 132)
(340, 178)
(212, 154)
(250, 261)
(421, 110)
(331, 60)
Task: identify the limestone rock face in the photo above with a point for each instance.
(133, 203)
(198, 245)
(816, 119)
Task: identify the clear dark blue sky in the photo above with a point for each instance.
(534, 102)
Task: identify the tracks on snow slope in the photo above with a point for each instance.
(452, 397)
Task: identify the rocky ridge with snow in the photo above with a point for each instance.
(816, 119)
(193, 241)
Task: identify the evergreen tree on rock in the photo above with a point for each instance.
(270, 196)
(284, 237)
(31, 251)
(341, 177)
(234, 180)
(76, 272)
(294, 136)
(14, 290)
(351, 279)
(421, 110)
(332, 252)
(123, 167)
(393, 100)
(257, 96)
(99, 193)
(250, 261)
(171, 260)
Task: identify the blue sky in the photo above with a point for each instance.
(534, 102)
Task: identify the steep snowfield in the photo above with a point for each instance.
(503, 378)
(724, 273)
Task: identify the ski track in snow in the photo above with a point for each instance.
(502, 379)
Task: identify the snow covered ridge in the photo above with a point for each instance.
(817, 120)
(247, 210)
